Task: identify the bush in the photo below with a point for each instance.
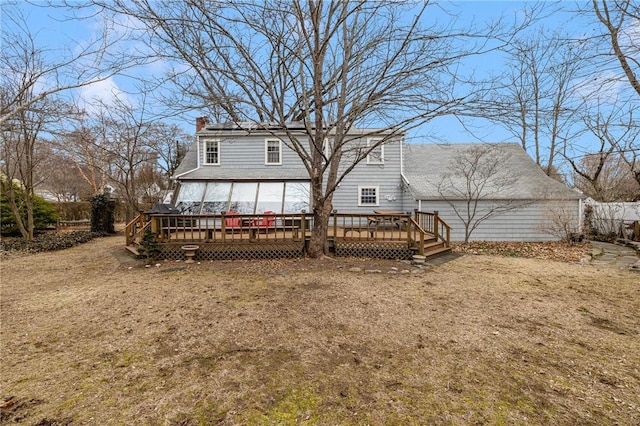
(47, 242)
(149, 247)
(44, 212)
(102, 214)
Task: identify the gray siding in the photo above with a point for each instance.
(247, 152)
(534, 222)
(239, 153)
(384, 176)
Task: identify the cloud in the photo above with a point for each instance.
(104, 92)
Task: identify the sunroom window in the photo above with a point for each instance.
(189, 199)
(243, 197)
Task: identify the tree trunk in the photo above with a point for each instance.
(321, 212)
(15, 209)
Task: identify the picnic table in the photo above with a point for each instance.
(384, 217)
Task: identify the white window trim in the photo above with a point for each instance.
(204, 150)
(370, 159)
(266, 152)
(360, 188)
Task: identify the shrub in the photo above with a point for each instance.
(102, 214)
(44, 212)
(47, 242)
(149, 247)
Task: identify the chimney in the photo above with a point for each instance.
(200, 123)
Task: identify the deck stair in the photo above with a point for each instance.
(433, 248)
(133, 250)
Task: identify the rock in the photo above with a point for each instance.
(355, 269)
(373, 271)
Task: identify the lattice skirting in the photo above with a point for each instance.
(377, 250)
(235, 251)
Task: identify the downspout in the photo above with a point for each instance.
(402, 176)
(580, 215)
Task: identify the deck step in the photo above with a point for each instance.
(132, 250)
(435, 252)
(434, 249)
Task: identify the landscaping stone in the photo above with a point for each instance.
(620, 255)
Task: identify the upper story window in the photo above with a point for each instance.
(212, 152)
(376, 156)
(273, 151)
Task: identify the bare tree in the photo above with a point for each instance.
(330, 65)
(169, 142)
(35, 72)
(122, 132)
(63, 180)
(620, 20)
(21, 151)
(473, 185)
(538, 101)
(32, 81)
(610, 168)
(606, 178)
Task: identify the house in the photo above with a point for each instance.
(250, 170)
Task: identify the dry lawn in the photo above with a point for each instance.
(91, 336)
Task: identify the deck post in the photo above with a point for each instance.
(303, 226)
(223, 227)
(436, 225)
(335, 226)
(155, 227)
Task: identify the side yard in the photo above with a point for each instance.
(91, 336)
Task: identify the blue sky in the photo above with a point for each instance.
(55, 31)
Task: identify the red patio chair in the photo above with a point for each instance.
(266, 221)
(233, 221)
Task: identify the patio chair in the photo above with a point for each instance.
(266, 221)
(233, 221)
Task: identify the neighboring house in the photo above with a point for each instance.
(534, 207)
(250, 170)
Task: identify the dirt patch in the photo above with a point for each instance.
(91, 336)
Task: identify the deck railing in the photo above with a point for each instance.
(135, 228)
(362, 226)
(170, 228)
(255, 228)
(434, 224)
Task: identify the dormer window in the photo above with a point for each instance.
(212, 152)
(376, 156)
(273, 152)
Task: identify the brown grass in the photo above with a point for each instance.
(90, 336)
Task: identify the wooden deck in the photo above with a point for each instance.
(388, 235)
